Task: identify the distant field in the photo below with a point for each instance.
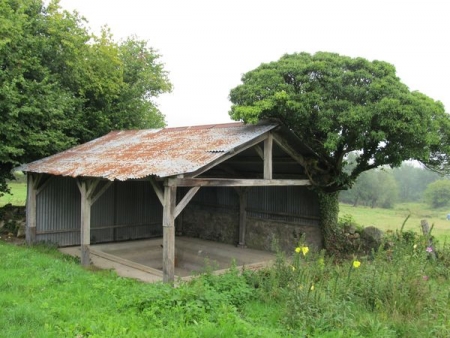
(392, 219)
(17, 196)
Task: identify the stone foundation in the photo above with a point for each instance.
(222, 225)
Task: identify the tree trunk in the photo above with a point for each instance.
(329, 212)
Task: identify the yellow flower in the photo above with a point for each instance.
(312, 287)
(415, 246)
(356, 264)
(305, 250)
(297, 249)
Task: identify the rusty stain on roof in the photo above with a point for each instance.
(132, 154)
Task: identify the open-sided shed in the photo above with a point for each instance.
(232, 183)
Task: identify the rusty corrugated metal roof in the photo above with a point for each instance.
(123, 155)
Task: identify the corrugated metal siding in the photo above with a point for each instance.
(137, 203)
(290, 204)
(222, 197)
(125, 211)
(102, 211)
(58, 212)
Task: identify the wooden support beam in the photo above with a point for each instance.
(243, 193)
(288, 149)
(268, 143)
(157, 190)
(92, 184)
(230, 154)
(42, 182)
(87, 190)
(101, 192)
(179, 208)
(224, 182)
(169, 234)
(259, 151)
(85, 223)
(32, 184)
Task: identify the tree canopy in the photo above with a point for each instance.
(337, 105)
(61, 85)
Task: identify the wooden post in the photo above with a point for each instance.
(85, 225)
(427, 233)
(268, 143)
(87, 188)
(169, 233)
(31, 208)
(242, 215)
(425, 227)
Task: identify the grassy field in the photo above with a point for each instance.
(17, 196)
(392, 219)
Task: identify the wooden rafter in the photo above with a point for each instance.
(231, 182)
(159, 192)
(268, 143)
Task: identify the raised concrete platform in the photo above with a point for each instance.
(143, 259)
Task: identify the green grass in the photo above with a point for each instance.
(46, 294)
(396, 293)
(392, 219)
(17, 195)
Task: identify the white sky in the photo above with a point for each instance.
(207, 45)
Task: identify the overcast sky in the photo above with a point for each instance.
(207, 45)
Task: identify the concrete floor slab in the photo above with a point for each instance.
(142, 259)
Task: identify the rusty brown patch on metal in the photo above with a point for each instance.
(122, 155)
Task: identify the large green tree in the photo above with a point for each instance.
(337, 105)
(61, 85)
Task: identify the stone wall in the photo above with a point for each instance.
(222, 225)
(12, 221)
(210, 223)
(267, 235)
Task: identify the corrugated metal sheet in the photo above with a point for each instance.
(124, 155)
(297, 205)
(58, 217)
(289, 204)
(127, 210)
